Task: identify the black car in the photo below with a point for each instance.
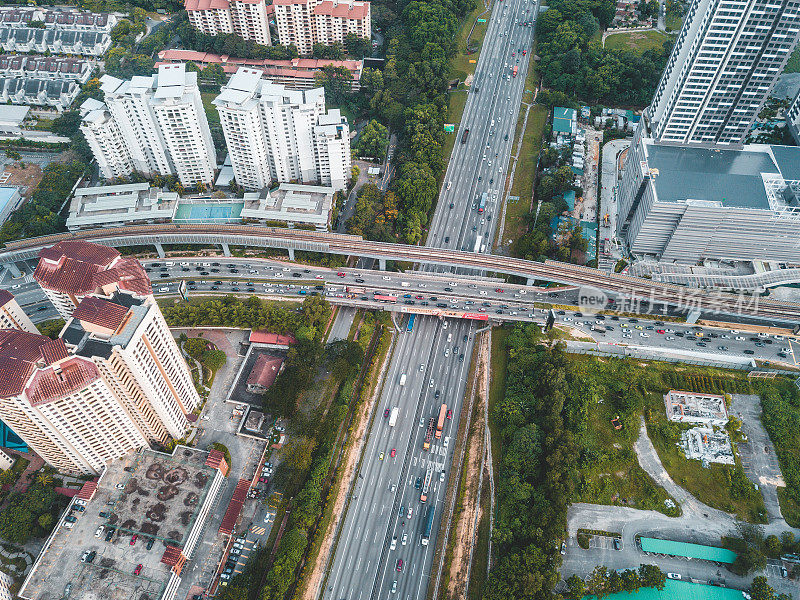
(408, 302)
(319, 287)
(164, 275)
(109, 535)
(486, 304)
(465, 338)
(215, 264)
(418, 483)
(748, 352)
(359, 281)
(447, 240)
(461, 357)
(150, 543)
(297, 275)
(424, 303)
(437, 394)
(215, 270)
(447, 289)
(441, 305)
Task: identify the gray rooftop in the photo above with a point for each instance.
(732, 177)
(788, 159)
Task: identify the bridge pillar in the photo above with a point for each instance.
(160, 250)
(531, 281)
(693, 315)
(226, 249)
(382, 264)
(13, 269)
(291, 254)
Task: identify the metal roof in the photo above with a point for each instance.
(687, 550)
(678, 590)
(730, 177)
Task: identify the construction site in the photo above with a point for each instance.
(689, 407)
(707, 445)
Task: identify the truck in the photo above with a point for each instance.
(427, 484)
(440, 423)
(477, 244)
(402, 379)
(353, 291)
(426, 534)
(393, 416)
(410, 326)
(514, 71)
(426, 445)
(482, 202)
(465, 135)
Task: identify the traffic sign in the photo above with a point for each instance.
(449, 128)
(481, 20)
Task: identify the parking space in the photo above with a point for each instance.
(602, 542)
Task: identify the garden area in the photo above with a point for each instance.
(636, 40)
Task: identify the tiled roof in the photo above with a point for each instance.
(19, 352)
(265, 371)
(87, 490)
(129, 274)
(84, 251)
(216, 460)
(234, 507)
(100, 312)
(172, 555)
(51, 384)
(5, 297)
(206, 4)
(265, 337)
(54, 351)
(344, 11)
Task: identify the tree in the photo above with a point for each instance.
(214, 73)
(44, 479)
(373, 140)
(214, 359)
(7, 477)
(46, 521)
(356, 46)
(298, 452)
(576, 589)
(761, 590)
(652, 577)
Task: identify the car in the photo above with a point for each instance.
(386, 413)
(673, 576)
(418, 483)
(661, 331)
(236, 551)
(723, 348)
(150, 543)
(498, 290)
(120, 486)
(393, 453)
(133, 539)
(399, 564)
(381, 456)
(447, 239)
(617, 544)
(749, 352)
(402, 510)
(99, 531)
(404, 539)
(138, 569)
(394, 586)
(449, 414)
(437, 393)
(410, 512)
(340, 274)
(441, 475)
(109, 535)
(563, 548)
(446, 442)
(393, 544)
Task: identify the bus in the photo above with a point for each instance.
(426, 534)
(411, 322)
(464, 136)
(482, 202)
(514, 72)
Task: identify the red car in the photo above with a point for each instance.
(660, 331)
(133, 539)
(137, 570)
(386, 413)
(399, 564)
(524, 52)
(419, 297)
(498, 290)
(340, 274)
(393, 453)
(449, 414)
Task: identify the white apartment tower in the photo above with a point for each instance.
(114, 381)
(276, 134)
(151, 125)
(246, 18)
(727, 57)
(71, 270)
(12, 316)
(308, 22)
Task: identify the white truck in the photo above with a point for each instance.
(393, 416)
(402, 379)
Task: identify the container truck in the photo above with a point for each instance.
(427, 484)
(429, 434)
(440, 423)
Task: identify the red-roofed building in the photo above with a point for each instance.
(308, 22)
(88, 490)
(99, 315)
(264, 372)
(271, 340)
(12, 316)
(71, 270)
(295, 73)
(245, 18)
(234, 507)
(216, 460)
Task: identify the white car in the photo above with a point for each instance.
(627, 335)
(387, 278)
(446, 442)
(278, 274)
(285, 269)
(422, 367)
(441, 475)
(120, 486)
(393, 545)
(99, 531)
(740, 338)
(673, 576)
(317, 276)
(410, 512)
(643, 334)
(430, 385)
(404, 539)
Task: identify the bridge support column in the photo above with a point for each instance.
(693, 315)
(531, 281)
(291, 254)
(160, 250)
(382, 264)
(226, 249)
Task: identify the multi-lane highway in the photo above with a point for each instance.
(381, 552)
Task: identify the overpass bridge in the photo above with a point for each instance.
(615, 284)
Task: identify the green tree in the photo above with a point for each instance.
(576, 589)
(652, 577)
(373, 140)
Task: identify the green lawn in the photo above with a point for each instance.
(497, 385)
(793, 66)
(673, 22)
(636, 40)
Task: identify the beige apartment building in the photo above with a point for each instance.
(246, 18)
(11, 314)
(308, 22)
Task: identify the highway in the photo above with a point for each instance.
(380, 552)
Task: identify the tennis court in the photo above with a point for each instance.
(209, 211)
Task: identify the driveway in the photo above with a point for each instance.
(758, 454)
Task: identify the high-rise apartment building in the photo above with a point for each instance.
(151, 125)
(11, 314)
(112, 382)
(277, 134)
(308, 22)
(793, 119)
(727, 57)
(71, 270)
(246, 18)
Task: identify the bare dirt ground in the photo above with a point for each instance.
(352, 454)
(465, 520)
(27, 177)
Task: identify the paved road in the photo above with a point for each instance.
(365, 566)
(342, 323)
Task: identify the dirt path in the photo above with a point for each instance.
(466, 521)
(339, 493)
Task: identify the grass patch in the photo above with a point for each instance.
(615, 477)
(526, 170)
(793, 65)
(20, 465)
(497, 383)
(716, 485)
(673, 22)
(480, 557)
(636, 40)
(455, 108)
(789, 508)
(211, 111)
